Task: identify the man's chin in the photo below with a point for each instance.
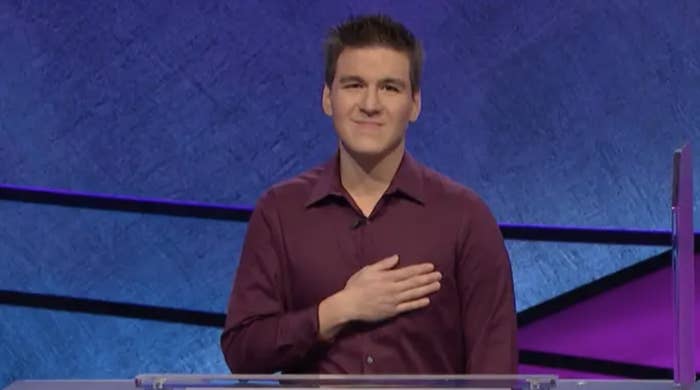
(368, 152)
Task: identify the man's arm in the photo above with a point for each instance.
(260, 336)
(488, 305)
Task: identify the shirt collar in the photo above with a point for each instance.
(408, 181)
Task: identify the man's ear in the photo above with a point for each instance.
(415, 110)
(326, 100)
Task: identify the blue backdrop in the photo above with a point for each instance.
(556, 112)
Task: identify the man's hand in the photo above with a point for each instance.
(376, 292)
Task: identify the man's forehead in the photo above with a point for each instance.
(374, 53)
(373, 62)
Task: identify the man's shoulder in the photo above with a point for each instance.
(294, 190)
(439, 187)
(457, 200)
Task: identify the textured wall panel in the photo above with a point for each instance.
(51, 345)
(561, 267)
(167, 261)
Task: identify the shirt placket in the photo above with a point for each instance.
(368, 358)
(368, 250)
(363, 242)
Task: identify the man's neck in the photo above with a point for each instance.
(366, 177)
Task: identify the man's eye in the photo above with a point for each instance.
(391, 88)
(355, 85)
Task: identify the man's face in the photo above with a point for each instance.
(371, 101)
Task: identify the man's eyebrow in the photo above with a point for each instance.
(387, 80)
(351, 79)
(395, 81)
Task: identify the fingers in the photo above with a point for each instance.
(418, 281)
(385, 264)
(409, 272)
(413, 292)
(418, 292)
(383, 290)
(412, 305)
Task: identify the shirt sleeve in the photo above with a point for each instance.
(488, 306)
(260, 335)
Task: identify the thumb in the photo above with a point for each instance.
(386, 263)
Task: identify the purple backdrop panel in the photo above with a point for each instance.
(632, 323)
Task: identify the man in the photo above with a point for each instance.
(372, 263)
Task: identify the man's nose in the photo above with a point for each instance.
(370, 103)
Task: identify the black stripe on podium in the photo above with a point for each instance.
(119, 309)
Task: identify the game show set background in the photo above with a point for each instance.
(135, 137)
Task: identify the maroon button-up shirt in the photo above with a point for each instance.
(306, 238)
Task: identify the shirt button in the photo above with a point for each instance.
(370, 359)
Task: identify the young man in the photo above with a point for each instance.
(372, 263)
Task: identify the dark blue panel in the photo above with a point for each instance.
(42, 344)
(167, 261)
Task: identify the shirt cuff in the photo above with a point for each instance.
(299, 329)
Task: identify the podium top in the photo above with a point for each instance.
(194, 382)
(381, 382)
(519, 382)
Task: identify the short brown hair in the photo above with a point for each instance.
(373, 30)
